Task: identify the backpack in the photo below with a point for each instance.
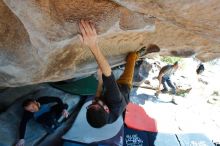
(200, 69)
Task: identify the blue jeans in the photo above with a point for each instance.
(166, 80)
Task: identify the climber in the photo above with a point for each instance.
(110, 104)
(45, 110)
(164, 77)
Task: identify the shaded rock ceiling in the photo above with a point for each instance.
(39, 43)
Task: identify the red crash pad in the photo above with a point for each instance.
(136, 118)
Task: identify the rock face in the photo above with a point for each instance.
(39, 43)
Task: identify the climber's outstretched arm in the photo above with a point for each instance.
(89, 38)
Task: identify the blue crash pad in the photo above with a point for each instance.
(194, 139)
(117, 140)
(144, 138)
(81, 132)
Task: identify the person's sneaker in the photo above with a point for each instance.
(156, 94)
(142, 52)
(173, 92)
(164, 91)
(151, 49)
(174, 102)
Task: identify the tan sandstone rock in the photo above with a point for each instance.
(39, 43)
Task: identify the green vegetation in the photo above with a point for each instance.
(182, 93)
(170, 59)
(215, 93)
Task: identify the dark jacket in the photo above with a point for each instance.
(29, 115)
(116, 97)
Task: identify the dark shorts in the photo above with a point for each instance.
(51, 118)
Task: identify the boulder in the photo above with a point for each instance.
(39, 43)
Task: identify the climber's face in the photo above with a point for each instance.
(32, 107)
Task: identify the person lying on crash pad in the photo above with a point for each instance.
(112, 96)
(45, 110)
